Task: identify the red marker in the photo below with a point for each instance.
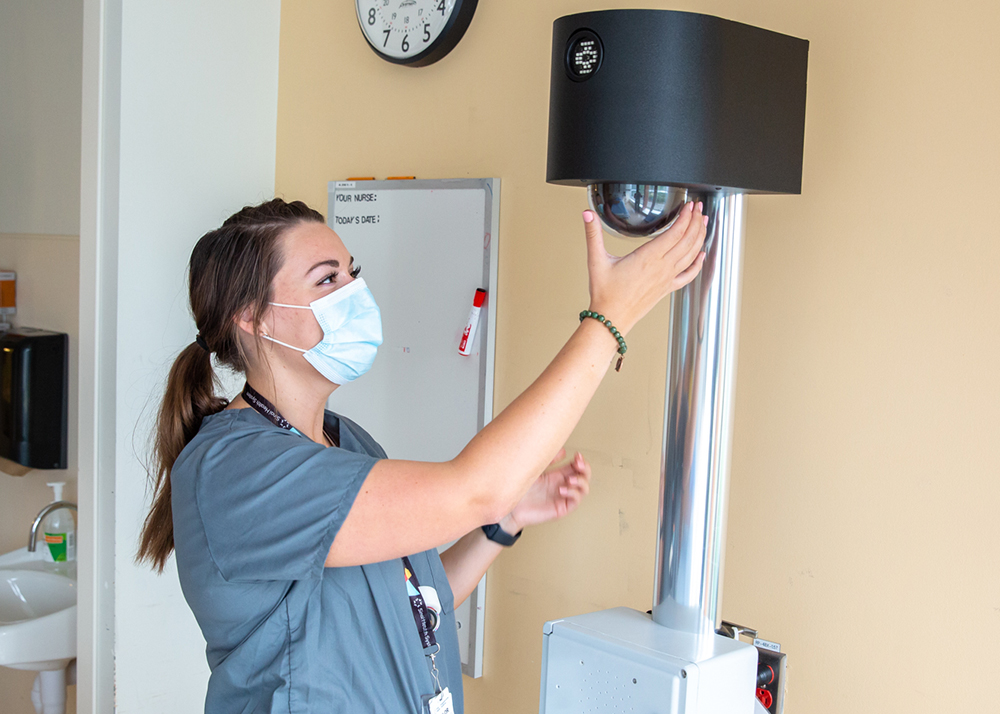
(469, 336)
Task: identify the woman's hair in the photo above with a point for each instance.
(231, 272)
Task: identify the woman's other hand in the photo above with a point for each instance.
(625, 289)
(554, 494)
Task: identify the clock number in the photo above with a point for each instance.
(414, 32)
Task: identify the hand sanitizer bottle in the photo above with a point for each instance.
(59, 531)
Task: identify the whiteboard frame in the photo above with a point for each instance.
(472, 613)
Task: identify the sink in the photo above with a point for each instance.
(37, 612)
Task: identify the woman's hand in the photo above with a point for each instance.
(625, 289)
(554, 494)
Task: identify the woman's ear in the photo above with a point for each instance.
(245, 322)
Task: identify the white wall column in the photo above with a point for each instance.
(180, 111)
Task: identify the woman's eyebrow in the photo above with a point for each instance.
(332, 262)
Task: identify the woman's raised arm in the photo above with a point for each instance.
(405, 507)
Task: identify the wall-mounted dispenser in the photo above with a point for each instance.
(650, 109)
(34, 397)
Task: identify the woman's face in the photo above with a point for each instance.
(315, 263)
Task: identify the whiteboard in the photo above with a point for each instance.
(425, 246)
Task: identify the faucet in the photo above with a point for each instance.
(55, 505)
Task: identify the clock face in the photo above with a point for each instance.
(414, 32)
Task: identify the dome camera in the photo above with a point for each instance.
(636, 210)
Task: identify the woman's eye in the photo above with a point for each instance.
(356, 272)
(328, 279)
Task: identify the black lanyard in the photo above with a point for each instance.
(421, 614)
(270, 412)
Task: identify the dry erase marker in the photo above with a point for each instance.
(469, 336)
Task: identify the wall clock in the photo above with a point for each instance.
(414, 32)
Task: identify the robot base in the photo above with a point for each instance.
(619, 660)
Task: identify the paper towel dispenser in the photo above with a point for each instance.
(34, 397)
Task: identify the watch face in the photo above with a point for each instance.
(404, 31)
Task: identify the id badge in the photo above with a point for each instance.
(440, 703)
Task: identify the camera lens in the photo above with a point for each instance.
(635, 210)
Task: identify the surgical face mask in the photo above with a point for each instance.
(352, 332)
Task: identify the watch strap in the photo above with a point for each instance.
(498, 535)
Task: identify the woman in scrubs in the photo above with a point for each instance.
(307, 556)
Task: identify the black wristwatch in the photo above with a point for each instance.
(498, 535)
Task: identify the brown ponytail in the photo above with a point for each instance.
(231, 271)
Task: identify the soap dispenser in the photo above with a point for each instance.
(59, 531)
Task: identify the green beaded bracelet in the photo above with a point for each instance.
(622, 348)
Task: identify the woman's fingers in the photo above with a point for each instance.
(597, 254)
(567, 506)
(666, 241)
(679, 246)
(686, 276)
(572, 495)
(694, 240)
(576, 478)
(694, 230)
(581, 467)
(577, 466)
(574, 485)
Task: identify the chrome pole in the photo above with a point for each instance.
(697, 428)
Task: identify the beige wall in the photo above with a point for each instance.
(40, 52)
(862, 529)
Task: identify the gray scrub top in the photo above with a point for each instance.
(256, 509)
